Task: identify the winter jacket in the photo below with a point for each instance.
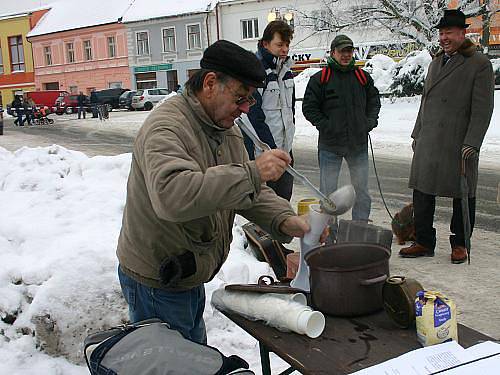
(187, 181)
(342, 109)
(455, 110)
(272, 116)
(81, 100)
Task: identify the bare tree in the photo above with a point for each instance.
(410, 19)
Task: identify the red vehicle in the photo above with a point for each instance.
(46, 98)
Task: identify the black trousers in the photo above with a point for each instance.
(424, 206)
(284, 186)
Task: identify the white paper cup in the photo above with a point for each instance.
(318, 221)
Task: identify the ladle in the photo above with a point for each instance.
(339, 202)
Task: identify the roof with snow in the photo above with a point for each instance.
(150, 9)
(75, 14)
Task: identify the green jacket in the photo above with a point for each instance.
(342, 109)
(187, 181)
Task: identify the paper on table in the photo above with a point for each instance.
(483, 366)
(424, 361)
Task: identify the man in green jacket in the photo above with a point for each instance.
(342, 102)
(190, 176)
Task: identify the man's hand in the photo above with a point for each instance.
(271, 164)
(297, 226)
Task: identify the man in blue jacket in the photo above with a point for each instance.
(272, 116)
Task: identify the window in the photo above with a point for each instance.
(194, 36)
(87, 50)
(48, 55)
(250, 28)
(111, 46)
(1, 61)
(16, 53)
(70, 52)
(169, 39)
(115, 85)
(142, 43)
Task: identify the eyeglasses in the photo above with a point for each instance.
(242, 99)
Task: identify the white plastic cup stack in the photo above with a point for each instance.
(306, 321)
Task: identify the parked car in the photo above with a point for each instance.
(46, 98)
(69, 104)
(125, 100)
(110, 97)
(147, 98)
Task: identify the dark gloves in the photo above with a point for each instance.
(414, 144)
(175, 268)
(468, 152)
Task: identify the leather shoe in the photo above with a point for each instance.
(458, 254)
(415, 250)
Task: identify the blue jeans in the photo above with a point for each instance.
(329, 166)
(183, 311)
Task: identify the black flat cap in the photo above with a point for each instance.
(452, 17)
(229, 58)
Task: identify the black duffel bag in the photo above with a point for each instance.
(151, 347)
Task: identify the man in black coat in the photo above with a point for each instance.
(342, 102)
(81, 99)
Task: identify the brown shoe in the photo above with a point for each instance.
(458, 254)
(415, 250)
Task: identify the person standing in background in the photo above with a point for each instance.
(342, 102)
(455, 113)
(81, 101)
(273, 115)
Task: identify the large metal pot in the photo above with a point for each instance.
(346, 279)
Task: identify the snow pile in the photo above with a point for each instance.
(410, 73)
(405, 78)
(381, 68)
(302, 79)
(59, 224)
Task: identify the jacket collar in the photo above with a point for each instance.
(205, 122)
(269, 60)
(467, 49)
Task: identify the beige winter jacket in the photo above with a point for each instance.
(187, 181)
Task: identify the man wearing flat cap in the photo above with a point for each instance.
(454, 115)
(342, 102)
(190, 176)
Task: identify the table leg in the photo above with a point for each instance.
(264, 359)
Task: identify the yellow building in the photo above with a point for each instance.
(16, 57)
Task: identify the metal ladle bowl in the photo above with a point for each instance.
(340, 201)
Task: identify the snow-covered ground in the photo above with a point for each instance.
(59, 222)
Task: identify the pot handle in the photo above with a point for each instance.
(375, 280)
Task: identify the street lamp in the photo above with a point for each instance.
(275, 14)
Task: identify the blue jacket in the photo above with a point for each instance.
(273, 115)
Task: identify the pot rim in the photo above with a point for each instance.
(350, 269)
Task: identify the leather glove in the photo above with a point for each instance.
(468, 152)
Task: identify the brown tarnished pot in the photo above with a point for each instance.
(398, 294)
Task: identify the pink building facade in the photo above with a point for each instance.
(82, 59)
